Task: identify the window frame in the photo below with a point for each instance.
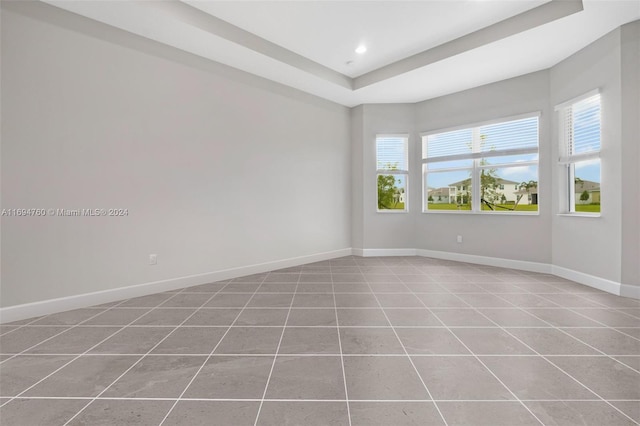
(475, 167)
(568, 161)
(394, 172)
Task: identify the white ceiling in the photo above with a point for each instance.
(416, 49)
(328, 32)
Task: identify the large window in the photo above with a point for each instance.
(392, 161)
(580, 155)
(491, 167)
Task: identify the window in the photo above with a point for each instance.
(392, 161)
(580, 121)
(491, 167)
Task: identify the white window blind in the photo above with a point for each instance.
(580, 143)
(582, 127)
(511, 135)
(499, 139)
(457, 142)
(392, 153)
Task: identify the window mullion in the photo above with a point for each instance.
(392, 172)
(475, 186)
(475, 174)
(571, 175)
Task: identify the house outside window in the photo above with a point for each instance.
(490, 167)
(579, 162)
(392, 165)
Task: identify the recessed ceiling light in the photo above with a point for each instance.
(361, 49)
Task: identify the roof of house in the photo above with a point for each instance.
(587, 185)
(439, 191)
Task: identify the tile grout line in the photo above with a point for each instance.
(148, 352)
(392, 268)
(620, 310)
(552, 326)
(561, 330)
(479, 360)
(179, 398)
(111, 398)
(571, 309)
(344, 375)
(275, 358)
(406, 353)
(556, 366)
(120, 328)
(332, 355)
(67, 328)
(34, 320)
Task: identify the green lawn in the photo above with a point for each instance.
(445, 206)
(520, 208)
(588, 208)
(399, 206)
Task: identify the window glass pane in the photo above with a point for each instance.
(392, 192)
(586, 125)
(448, 190)
(473, 155)
(439, 165)
(448, 143)
(587, 186)
(391, 153)
(507, 159)
(509, 135)
(505, 189)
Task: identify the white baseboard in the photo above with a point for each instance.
(387, 252)
(522, 265)
(632, 291)
(544, 268)
(46, 307)
(588, 280)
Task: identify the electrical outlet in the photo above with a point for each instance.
(153, 259)
(459, 239)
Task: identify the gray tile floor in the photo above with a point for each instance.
(350, 341)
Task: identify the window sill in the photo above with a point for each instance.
(591, 215)
(483, 213)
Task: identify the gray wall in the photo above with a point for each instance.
(218, 169)
(515, 237)
(607, 247)
(386, 230)
(221, 169)
(357, 175)
(586, 244)
(630, 38)
(525, 238)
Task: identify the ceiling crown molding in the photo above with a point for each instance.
(524, 21)
(543, 14)
(245, 36)
(218, 27)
